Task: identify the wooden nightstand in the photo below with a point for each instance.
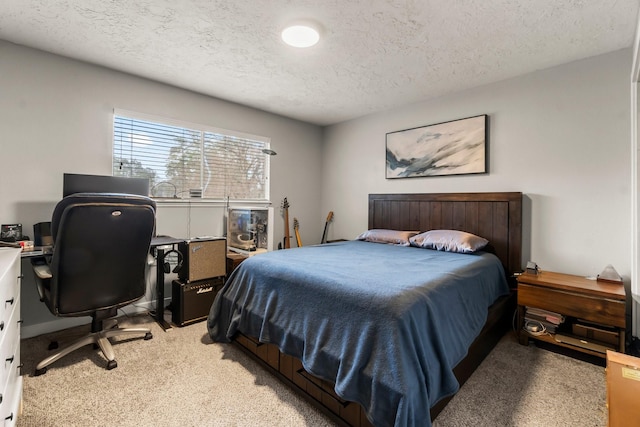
(594, 311)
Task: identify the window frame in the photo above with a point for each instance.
(203, 129)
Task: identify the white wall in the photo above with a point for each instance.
(561, 136)
(56, 117)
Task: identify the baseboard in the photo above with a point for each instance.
(52, 326)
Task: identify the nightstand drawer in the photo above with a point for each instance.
(599, 310)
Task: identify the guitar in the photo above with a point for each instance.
(326, 225)
(296, 225)
(287, 237)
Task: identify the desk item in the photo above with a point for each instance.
(160, 244)
(203, 258)
(11, 232)
(36, 251)
(26, 245)
(42, 234)
(113, 233)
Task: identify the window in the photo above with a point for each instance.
(180, 160)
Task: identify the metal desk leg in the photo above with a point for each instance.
(159, 313)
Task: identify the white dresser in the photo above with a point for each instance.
(10, 379)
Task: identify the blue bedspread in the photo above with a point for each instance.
(386, 324)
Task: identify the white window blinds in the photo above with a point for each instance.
(180, 159)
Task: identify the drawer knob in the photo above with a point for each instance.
(10, 301)
(1, 326)
(10, 359)
(0, 397)
(10, 417)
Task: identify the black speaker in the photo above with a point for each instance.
(203, 259)
(192, 301)
(42, 234)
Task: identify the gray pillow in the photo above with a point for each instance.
(449, 240)
(394, 237)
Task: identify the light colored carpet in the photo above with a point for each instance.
(181, 378)
(529, 387)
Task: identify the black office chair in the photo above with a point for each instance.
(98, 264)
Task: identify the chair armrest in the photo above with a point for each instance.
(42, 271)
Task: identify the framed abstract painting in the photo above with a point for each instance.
(457, 147)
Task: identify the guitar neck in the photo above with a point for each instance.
(298, 240)
(287, 236)
(326, 225)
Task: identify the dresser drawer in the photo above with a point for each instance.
(11, 396)
(9, 292)
(10, 379)
(10, 345)
(599, 310)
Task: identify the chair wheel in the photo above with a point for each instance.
(148, 336)
(40, 372)
(111, 364)
(53, 345)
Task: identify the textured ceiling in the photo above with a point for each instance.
(373, 54)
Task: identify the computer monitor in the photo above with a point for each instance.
(78, 183)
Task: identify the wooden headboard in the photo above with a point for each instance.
(495, 216)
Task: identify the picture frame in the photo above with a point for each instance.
(456, 147)
(11, 232)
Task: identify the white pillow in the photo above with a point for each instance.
(393, 237)
(449, 240)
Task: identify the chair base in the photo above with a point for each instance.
(99, 338)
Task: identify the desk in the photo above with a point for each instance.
(160, 244)
(37, 251)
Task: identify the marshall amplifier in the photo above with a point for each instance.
(192, 301)
(203, 259)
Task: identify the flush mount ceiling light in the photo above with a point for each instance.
(302, 34)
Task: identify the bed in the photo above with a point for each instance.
(375, 333)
